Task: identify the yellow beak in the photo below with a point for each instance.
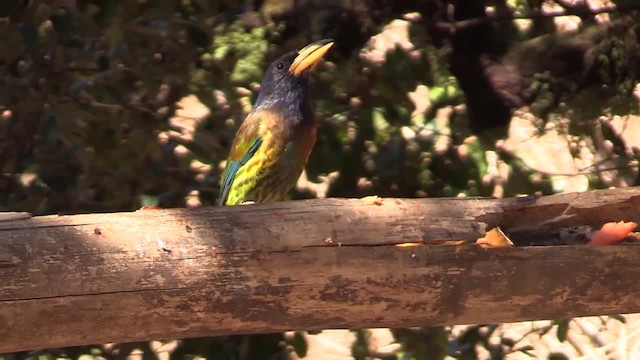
(309, 56)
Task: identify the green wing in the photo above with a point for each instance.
(245, 145)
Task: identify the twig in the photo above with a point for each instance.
(581, 171)
(576, 344)
(580, 12)
(12, 216)
(534, 330)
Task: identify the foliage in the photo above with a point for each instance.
(94, 118)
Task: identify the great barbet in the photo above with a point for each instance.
(273, 144)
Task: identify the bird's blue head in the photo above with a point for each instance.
(284, 86)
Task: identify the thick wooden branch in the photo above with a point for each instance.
(317, 264)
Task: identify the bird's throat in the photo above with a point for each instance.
(292, 107)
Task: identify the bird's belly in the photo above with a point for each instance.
(275, 183)
(277, 172)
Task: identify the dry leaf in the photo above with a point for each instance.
(409, 244)
(420, 99)
(432, 242)
(393, 35)
(494, 238)
(445, 242)
(611, 233)
(372, 200)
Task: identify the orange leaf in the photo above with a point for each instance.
(494, 238)
(445, 242)
(611, 233)
(409, 244)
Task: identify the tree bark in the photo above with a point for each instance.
(316, 264)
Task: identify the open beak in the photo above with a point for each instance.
(309, 56)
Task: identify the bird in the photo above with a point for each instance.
(272, 145)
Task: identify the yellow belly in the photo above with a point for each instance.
(271, 173)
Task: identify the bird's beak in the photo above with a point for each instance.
(309, 56)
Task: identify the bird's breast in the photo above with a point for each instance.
(283, 156)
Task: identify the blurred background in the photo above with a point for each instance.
(112, 105)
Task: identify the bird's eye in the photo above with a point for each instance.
(280, 66)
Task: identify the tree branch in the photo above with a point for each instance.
(453, 26)
(316, 264)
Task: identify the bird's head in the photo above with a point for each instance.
(285, 80)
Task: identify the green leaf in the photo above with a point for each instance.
(619, 318)
(563, 330)
(149, 200)
(437, 93)
(557, 356)
(477, 154)
(300, 344)
(379, 120)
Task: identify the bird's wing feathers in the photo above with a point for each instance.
(246, 143)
